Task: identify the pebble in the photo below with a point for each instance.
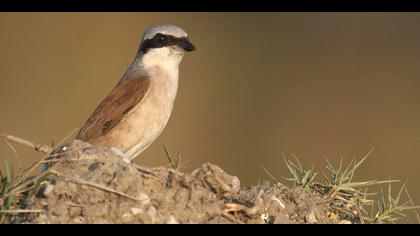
(311, 218)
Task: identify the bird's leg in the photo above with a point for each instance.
(121, 154)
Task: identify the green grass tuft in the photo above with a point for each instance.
(175, 162)
(347, 197)
(389, 208)
(7, 199)
(300, 177)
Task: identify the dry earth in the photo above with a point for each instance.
(86, 184)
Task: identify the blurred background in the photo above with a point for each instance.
(259, 85)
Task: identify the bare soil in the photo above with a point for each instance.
(87, 184)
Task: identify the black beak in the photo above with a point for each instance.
(187, 45)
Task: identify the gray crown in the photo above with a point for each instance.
(167, 29)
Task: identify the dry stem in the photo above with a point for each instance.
(37, 147)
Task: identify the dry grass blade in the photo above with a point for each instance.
(37, 147)
(269, 174)
(354, 186)
(412, 204)
(15, 153)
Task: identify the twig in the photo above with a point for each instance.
(27, 172)
(90, 184)
(37, 147)
(144, 169)
(20, 211)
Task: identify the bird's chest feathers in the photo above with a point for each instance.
(163, 89)
(162, 68)
(154, 109)
(149, 117)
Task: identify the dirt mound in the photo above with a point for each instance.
(86, 184)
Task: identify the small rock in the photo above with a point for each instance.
(78, 220)
(172, 220)
(127, 217)
(333, 216)
(235, 184)
(311, 218)
(144, 198)
(94, 165)
(136, 211)
(48, 189)
(75, 212)
(267, 219)
(151, 212)
(345, 222)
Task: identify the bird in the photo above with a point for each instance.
(132, 116)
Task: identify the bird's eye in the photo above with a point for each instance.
(160, 39)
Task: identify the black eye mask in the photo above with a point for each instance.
(162, 40)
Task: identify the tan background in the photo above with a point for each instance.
(311, 84)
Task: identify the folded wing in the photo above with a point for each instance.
(122, 99)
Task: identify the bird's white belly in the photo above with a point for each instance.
(148, 134)
(152, 114)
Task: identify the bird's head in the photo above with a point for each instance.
(164, 44)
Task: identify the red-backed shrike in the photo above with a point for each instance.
(136, 111)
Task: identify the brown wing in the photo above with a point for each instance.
(124, 97)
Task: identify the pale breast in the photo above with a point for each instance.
(138, 129)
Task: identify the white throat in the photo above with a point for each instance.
(166, 59)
